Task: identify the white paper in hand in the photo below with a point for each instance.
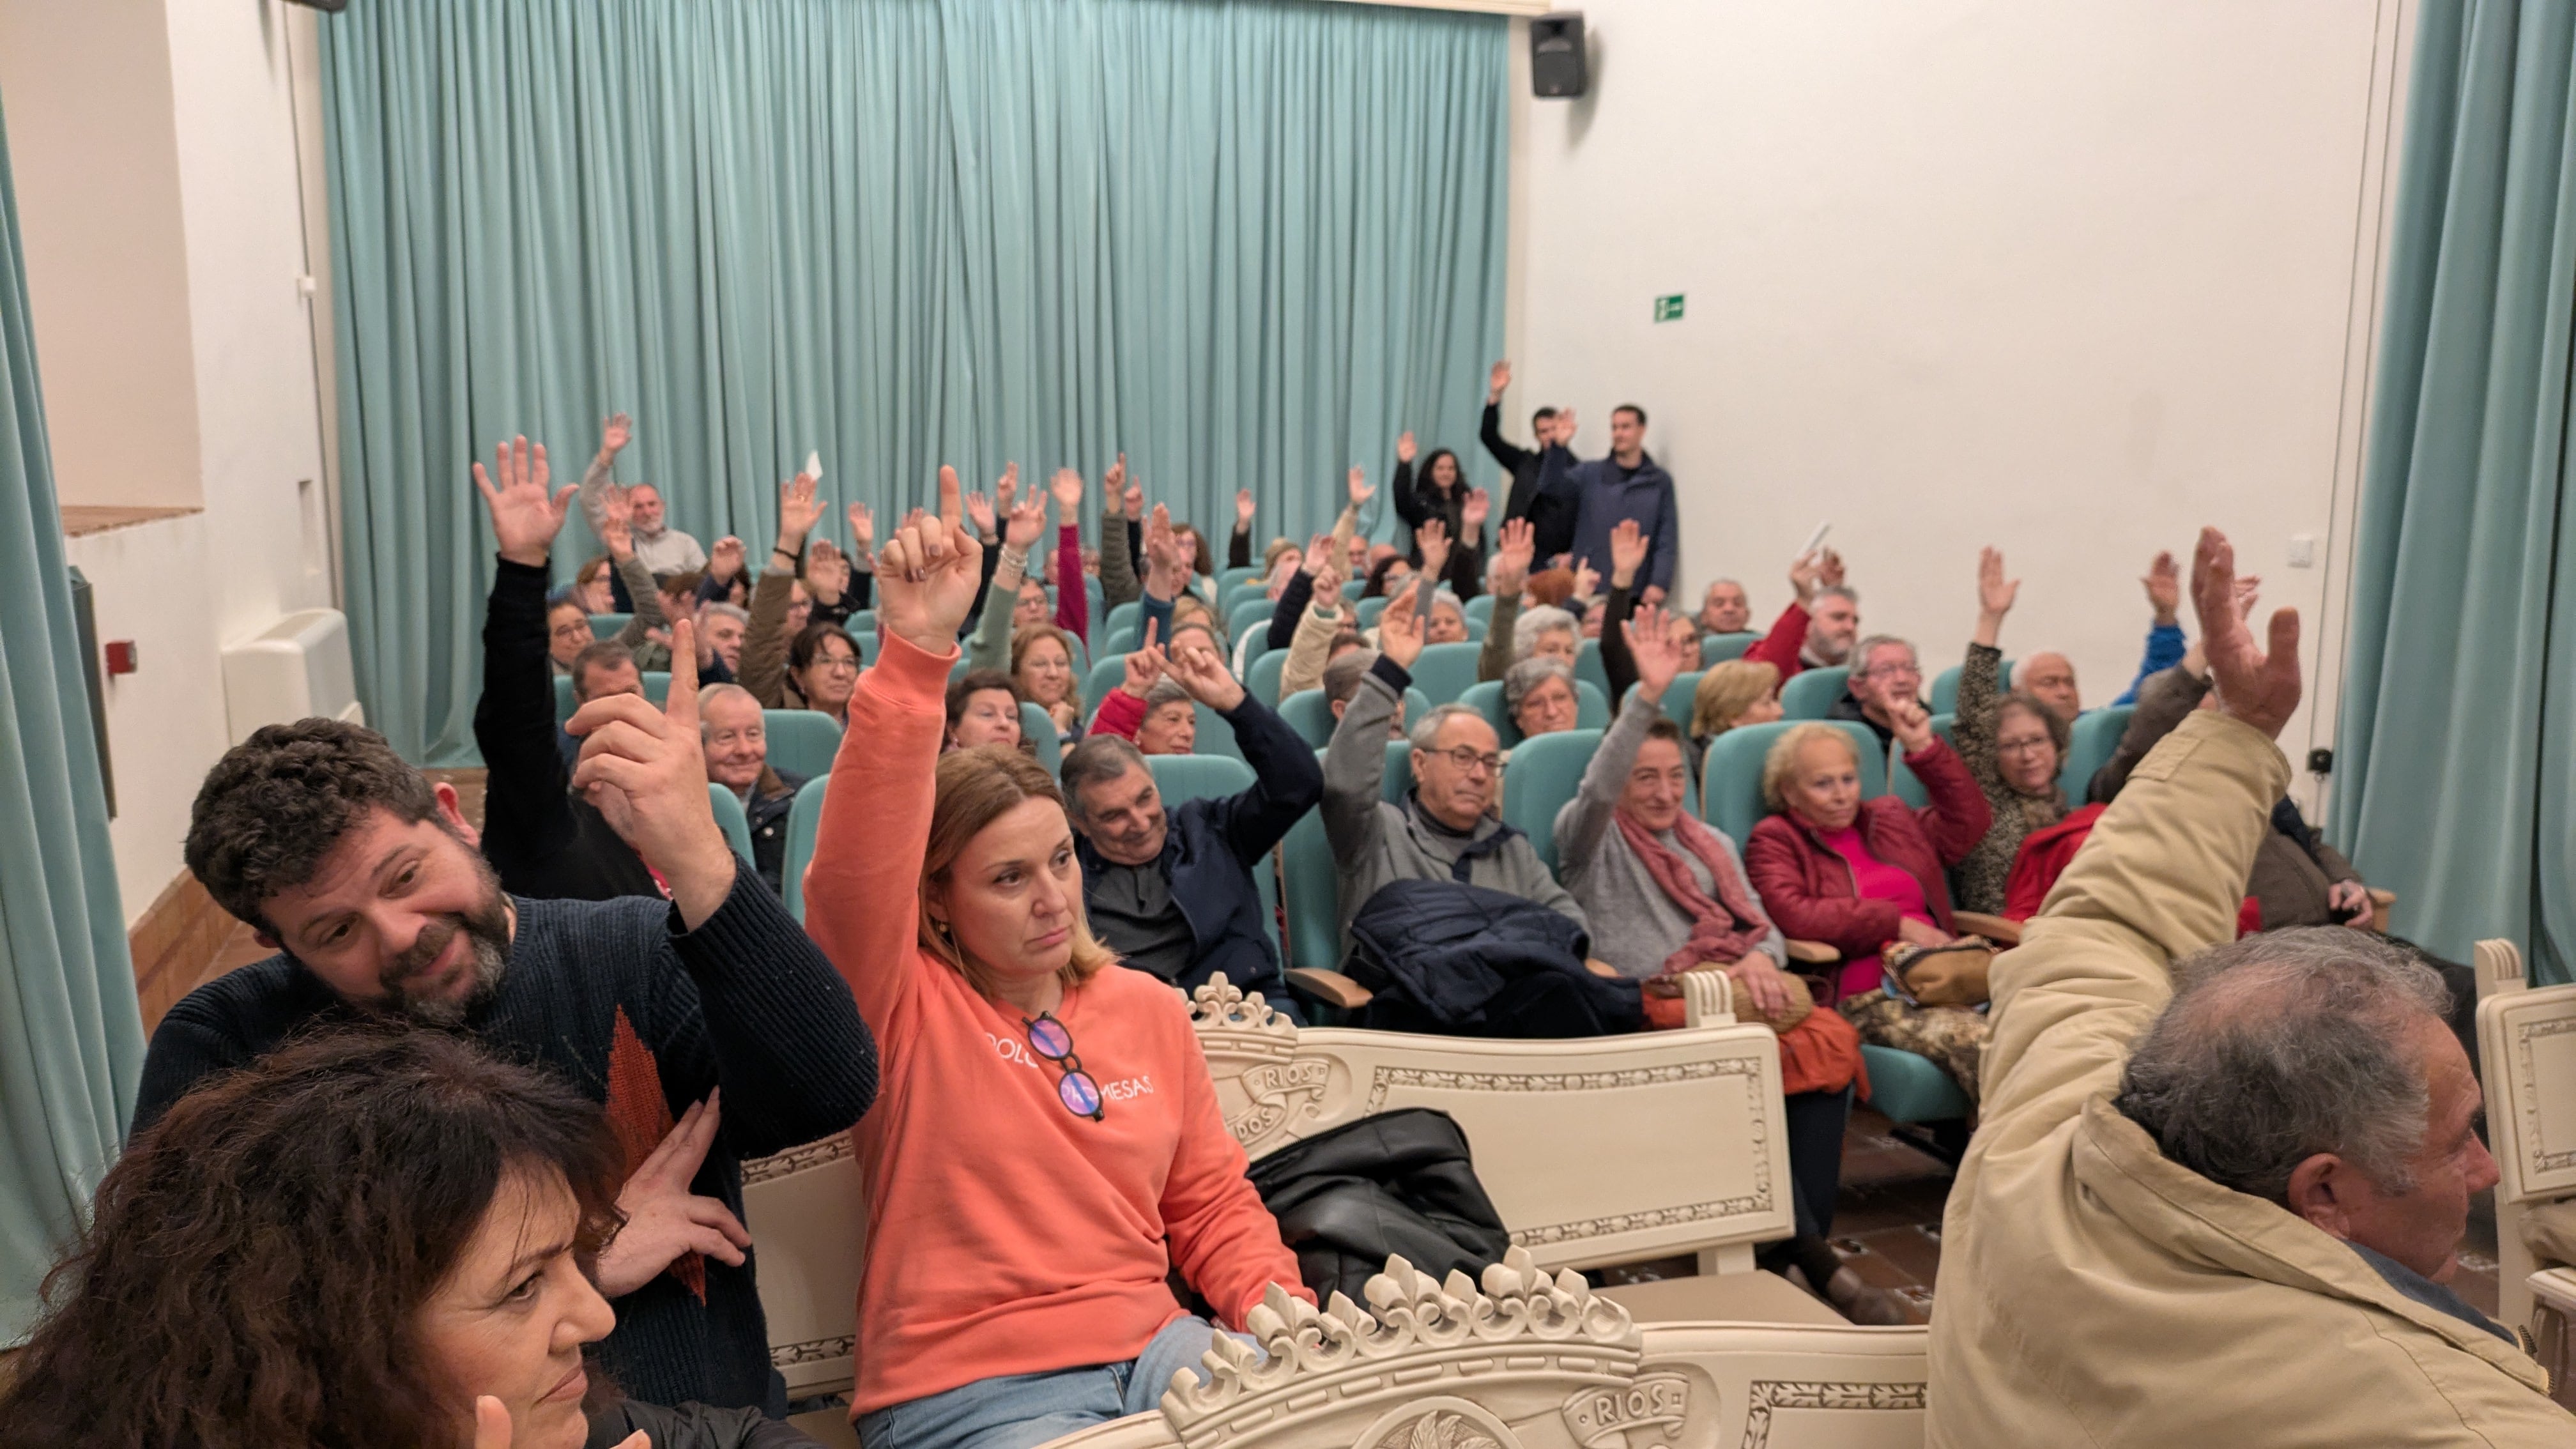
(814, 466)
(1816, 538)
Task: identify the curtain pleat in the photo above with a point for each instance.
(1245, 241)
(71, 1040)
(2456, 756)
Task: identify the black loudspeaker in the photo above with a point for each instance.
(1557, 67)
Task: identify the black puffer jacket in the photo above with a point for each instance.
(1399, 1182)
(1459, 960)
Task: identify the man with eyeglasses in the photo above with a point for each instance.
(1445, 828)
(1884, 674)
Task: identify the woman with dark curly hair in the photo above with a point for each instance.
(368, 1238)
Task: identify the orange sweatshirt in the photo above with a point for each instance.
(1006, 1235)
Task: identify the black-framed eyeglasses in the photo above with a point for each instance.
(1075, 1089)
(1467, 759)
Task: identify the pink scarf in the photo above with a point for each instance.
(1725, 930)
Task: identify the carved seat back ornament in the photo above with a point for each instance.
(1527, 1361)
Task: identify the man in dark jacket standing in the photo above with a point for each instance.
(1628, 484)
(1172, 891)
(1542, 477)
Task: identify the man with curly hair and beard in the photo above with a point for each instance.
(366, 879)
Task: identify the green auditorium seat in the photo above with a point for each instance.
(2097, 735)
(657, 688)
(1227, 578)
(1945, 685)
(1446, 671)
(1263, 678)
(609, 626)
(1544, 774)
(1719, 648)
(804, 819)
(1731, 776)
(1183, 778)
(1255, 610)
(730, 818)
(801, 741)
(1812, 692)
(1588, 667)
(1039, 727)
(1480, 609)
(1682, 697)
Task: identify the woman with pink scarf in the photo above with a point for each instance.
(1666, 894)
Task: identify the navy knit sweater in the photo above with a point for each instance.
(646, 1018)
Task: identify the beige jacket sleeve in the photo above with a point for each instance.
(1308, 652)
(2160, 877)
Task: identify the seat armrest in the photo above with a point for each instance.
(1814, 953)
(2381, 903)
(1994, 928)
(1330, 987)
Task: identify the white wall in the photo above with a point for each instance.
(2067, 279)
(86, 91)
(234, 372)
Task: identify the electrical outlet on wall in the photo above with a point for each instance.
(2303, 550)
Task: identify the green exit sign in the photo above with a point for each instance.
(1669, 309)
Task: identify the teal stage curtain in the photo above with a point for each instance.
(2456, 766)
(71, 1041)
(1246, 241)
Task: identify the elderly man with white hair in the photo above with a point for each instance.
(1445, 828)
(2217, 1186)
(1885, 673)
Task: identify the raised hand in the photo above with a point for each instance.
(2351, 900)
(1404, 447)
(1399, 629)
(647, 773)
(1163, 553)
(1243, 510)
(1830, 569)
(1497, 380)
(1658, 658)
(664, 1220)
(1066, 485)
(980, 509)
(1587, 579)
(1359, 487)
(1473, 513)
(1114, 491)
(1027, 522)
(615, 434)
(1319, 552)
(2164, 590)
(1995, 593)
(1805, 573)
(929, 572)
(1513, 556)
(1565, 426)
(863, 529)
(1628, 546)
(1912, 727)
(617, 522)
(798, 511)
(525, 518)
(725, 559)
(1433, 539)
(2255, 684)
(1147, 663)
(1206, 678)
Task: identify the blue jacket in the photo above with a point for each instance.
(1459, 960)
(1212, 847)
(1603, 496)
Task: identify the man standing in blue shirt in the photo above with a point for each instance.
(1628, 484)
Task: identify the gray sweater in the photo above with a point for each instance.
(1636, 926)
(1374, 842)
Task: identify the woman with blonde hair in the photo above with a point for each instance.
(1042, 668)
(1046, 1147)
(1737, 692)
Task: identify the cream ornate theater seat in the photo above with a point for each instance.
(2527, 1039)
(1526, 1360)
(1595, 1151)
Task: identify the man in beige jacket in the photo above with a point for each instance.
(2212, 1200)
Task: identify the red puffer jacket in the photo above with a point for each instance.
(1807, 888)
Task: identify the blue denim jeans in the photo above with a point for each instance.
(1021, 1411)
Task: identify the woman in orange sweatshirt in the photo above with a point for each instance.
(1046, 1145)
